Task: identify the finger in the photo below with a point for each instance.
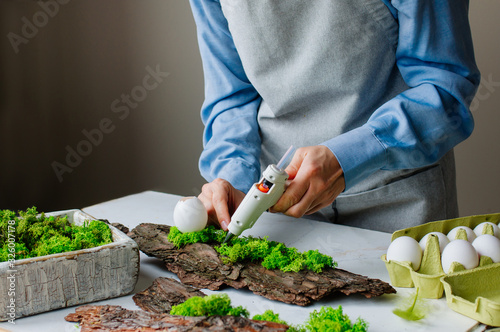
(298, 206)
(316, 196)
(220, 201)
(215, 197)
(294, 165)
(315, 206)
(295, 190)
(292, 195)
(206, 198)
(327, 197)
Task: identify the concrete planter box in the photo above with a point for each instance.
(40, 284)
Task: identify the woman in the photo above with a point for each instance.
(375, 92)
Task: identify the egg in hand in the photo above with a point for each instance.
(190, 215)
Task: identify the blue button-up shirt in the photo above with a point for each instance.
(434, 55)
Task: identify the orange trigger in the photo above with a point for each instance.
(263, 188)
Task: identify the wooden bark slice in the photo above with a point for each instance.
(103, 318)
(199, 265)
(163, 294)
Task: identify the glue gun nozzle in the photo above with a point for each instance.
(229, 236)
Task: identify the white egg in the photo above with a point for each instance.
(470, 233)
(405, 249)
(459, 251)
(488, 245)
(190, 215)
(479, 228)
(443, 240)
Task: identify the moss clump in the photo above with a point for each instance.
(215, 304)
(271, 316)
(271, 254)
(326, 319)
(31, 235)
(330, 319)
(207, 235)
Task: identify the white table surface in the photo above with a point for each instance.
(356, 250)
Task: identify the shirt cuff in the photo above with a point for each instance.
(359, 153)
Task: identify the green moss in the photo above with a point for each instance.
(330, 319)
(30, 234)
(206, 235)
(215, 304)
(326, 319)
(271, 316)
(271, 254)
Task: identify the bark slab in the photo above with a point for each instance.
(107, 318)
(163, 294)
(199, 265)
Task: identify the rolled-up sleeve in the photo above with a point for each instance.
(416, 128)
(231, 137)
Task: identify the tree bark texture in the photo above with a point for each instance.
(107, 318)
(163, 294)
(199, 265)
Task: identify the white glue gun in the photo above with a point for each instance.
(260, 197)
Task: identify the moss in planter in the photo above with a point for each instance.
(30, 234)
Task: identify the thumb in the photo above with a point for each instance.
(294, 165)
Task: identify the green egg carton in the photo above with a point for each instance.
(474, 293)
(427, 278)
